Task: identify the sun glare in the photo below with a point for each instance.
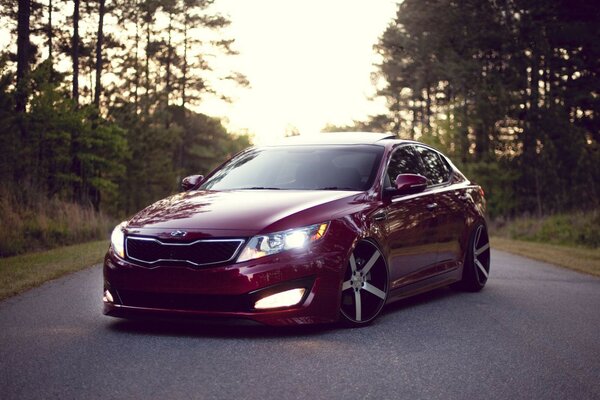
(308, 63)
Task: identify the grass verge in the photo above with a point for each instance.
(27, 271)
(39, 223)
(575, 258)
(576, 228)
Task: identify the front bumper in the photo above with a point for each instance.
(230, 291)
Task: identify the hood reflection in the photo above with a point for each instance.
(241, 209)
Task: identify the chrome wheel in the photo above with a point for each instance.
(481, 254)
(365, 284)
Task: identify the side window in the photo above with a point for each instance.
(447, 168)
(403, 161)
(435, 170)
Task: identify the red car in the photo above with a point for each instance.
(304, 232)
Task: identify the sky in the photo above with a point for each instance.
(309, 63)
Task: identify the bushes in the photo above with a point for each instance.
(576, 228)
(31, 222)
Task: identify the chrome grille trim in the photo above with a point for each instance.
(233, 256)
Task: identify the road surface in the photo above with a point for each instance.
(532, 333)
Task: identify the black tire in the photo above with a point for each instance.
(365, 285)
(476, 266)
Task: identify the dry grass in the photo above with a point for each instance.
(32, 222)
(576, 258)
(577, 228)
(23, 272)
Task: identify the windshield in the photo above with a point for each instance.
(328, 167)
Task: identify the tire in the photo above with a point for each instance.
(476, 266)
(365, 285)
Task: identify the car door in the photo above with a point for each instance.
(449, 211)
(409, 223)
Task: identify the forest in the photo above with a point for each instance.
(97, 100)
(509, 89)
(114, 128)
(96, 111)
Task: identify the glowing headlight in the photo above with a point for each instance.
(264, 245)
(117, 239)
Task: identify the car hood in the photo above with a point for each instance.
(243, 212)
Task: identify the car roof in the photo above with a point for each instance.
(324, 138)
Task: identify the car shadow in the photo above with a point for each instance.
(235, 329)
(440, 294)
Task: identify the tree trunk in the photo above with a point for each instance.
(168, 73)
(76, 169)
(136, 60)
(147, 67)
(23, 48)
(75, 52)
(99, 43)
(184, 69)
(50, 32)
(427, 119)
(413, 128)
(464, 137)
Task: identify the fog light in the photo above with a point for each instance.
(107, 297)
(281, 299)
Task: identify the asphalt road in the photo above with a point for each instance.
(532, 333)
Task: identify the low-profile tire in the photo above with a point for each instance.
(365, 285)
(476, 267)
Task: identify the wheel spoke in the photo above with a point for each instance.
(477, 236)
(371, 262)
(358, 305)
(482, 249)
(372, 289)
(481, 268)
(352, 263)
(346, 285)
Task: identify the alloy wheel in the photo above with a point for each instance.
(365, 284)
(481, 254)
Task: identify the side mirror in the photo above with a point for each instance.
(191, 182)
(408, 184)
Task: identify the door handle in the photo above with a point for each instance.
(380, 216)
(432, 206)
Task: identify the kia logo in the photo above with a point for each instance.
(178, 233)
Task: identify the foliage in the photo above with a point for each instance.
(509, 89)
(106, 135)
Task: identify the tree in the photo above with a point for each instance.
(507, 86)
(23, 56)
(76, 132)
(99, 44)
(75, 52)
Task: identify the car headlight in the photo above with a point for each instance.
(273, 243)
(117, 239)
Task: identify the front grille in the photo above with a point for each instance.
(177, 301)
(199, 252)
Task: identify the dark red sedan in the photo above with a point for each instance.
(303, 232)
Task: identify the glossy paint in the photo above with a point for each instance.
(423, 237)
(191, 182)
(410, 183)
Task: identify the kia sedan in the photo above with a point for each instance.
(308, 231)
